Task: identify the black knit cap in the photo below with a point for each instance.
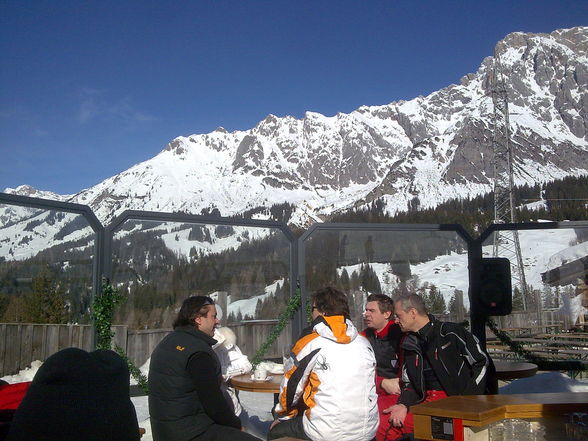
(76, 396)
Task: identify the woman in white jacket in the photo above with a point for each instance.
(233, 362)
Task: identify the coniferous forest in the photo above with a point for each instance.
(156, 279)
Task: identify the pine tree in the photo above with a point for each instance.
(452, 304)
(436, 302)
(517, 299)
(46, 302)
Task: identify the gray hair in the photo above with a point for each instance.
(410, 301)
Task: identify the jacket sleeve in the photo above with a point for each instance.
(477, 359)
(409, 396)
(411, 373)
(296, 381)
(201, 367)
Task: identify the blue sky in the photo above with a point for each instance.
(90, 88)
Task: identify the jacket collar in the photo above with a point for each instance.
(384, 332)
(336, 328)
(425, 331)
(197, 333)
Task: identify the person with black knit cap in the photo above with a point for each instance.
(76, 395)
(185, 398)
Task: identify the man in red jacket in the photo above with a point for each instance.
(384, 335)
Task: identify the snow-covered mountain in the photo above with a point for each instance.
(432, 148)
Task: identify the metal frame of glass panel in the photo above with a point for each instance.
(478, 322)
(210, 220)
(364, 227)
(84, 210)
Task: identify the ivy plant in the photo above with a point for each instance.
(293, 305)
(102, 312)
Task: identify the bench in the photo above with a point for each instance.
(541, 341)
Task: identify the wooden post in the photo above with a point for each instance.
(460, 310)
(222, 302)
(539, 303)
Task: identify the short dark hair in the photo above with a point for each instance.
(193, 307)
(385, 303)
(413, 301)
(331, 301)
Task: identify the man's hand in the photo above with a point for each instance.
(274, 423)
(391, 385)
(397, 414)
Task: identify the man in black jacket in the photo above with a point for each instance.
(185, 399)
(439, 360)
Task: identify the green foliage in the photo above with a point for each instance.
(102, 313)
(452, 308)
(135, 372)
(517, 299)
(293, 305)
(46, 302)
(434, 301)
(309, 312)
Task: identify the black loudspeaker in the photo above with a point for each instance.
(494, 293)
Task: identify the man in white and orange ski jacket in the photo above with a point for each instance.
(328, 391)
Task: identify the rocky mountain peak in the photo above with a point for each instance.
(433, 147)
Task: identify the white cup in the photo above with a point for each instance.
(260, 373)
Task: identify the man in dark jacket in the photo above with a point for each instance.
(438, 360)
(185, 399)
(384, 334)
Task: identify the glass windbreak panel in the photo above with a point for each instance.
(46, 264)
(159, 264)
(549, 269)
(433, 264)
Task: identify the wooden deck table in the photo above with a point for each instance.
(511, 370)
(246, 383)
(466, 416)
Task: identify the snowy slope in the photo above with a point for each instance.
(541, 251)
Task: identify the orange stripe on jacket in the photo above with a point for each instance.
(310, 391)
(283, 396)
(303, 342)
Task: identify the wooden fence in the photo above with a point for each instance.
(20, 344)
(23, 343)
(251, 334)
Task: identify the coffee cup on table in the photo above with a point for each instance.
(260, 373)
